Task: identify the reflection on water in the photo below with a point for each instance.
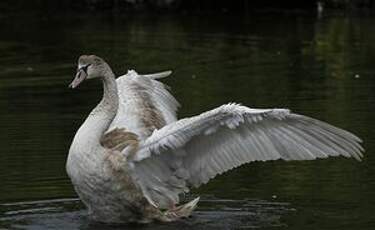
(322, 68)
(218, 214)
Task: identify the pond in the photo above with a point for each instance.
(318, 66)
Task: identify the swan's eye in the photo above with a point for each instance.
(85, 67)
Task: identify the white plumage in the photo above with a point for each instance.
(169, 156)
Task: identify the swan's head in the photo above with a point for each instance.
(89, 67)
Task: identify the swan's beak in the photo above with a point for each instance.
(80, 76)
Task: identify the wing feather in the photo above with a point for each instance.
(227, 137)
(143, 99)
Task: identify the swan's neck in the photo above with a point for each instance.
(109, 103)
(87, 138)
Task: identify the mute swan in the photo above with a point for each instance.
(131, 158)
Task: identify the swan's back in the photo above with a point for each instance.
(144, 104)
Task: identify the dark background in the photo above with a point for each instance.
(246, 6)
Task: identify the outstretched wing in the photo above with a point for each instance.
(191, 151)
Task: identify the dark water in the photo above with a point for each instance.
(319, 67)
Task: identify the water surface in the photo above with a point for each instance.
(319, 67)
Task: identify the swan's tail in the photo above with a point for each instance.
(182, 211)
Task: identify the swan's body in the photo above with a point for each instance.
(131, 158)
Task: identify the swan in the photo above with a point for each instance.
(131, 158)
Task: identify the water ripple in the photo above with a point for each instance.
(212, 213)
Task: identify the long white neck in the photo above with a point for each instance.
(88, 136)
